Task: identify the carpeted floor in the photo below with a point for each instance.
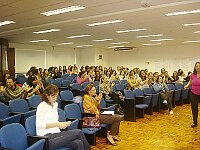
(159, 131)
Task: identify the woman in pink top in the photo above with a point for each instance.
(82, 77)
(195, 92)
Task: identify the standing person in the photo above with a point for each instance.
(47, 124)
(91, 104)
(195, 92)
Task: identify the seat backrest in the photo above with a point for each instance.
(22, 80)
(64, 76)
(73, 76)
(72, 111)
(96, 83)
(66, 95)
(129, 94)
(34, 101)
(13, 136)
(85, 84)
(65, 83)
(77, 86)
(138, 92)
(124, 82)
(20, 76)
(179, 86)
(119, 87)
(61, 115)
(115, 81)
(147, 90)
(171, 86)
(30, 125)
(57, 83)
(59, 80)
(18, 105)
(102, 103)
(70, 79)
(50, 80)
(4, 111)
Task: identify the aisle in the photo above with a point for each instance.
(159, 131)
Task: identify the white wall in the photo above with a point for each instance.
(41, 56)
(153, 58)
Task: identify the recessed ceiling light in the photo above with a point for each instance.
(191, 41)
(191, 24)
(6, 23)
(46, 31)
(66, 43)
(120, 43)
(104, 23)
(115, 46)
(102, 40)
(152, 35)
(39, 41)
(62, 10)
(85, 46)
(159, 40)
(151, 44)
(78, 36)
(183, 12)
(133, 30)
(197, 32)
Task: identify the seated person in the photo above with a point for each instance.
(82, 77)
(35, 85)
(132, 82)
(91, 104)
(13, 91)
(160, 86)
(106, 90)
(47, 124)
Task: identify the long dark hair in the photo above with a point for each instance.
(195, 71)
(49, 90)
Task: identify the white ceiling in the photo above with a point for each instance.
(26, 14)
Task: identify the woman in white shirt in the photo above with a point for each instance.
(47, 124)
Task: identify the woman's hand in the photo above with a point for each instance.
(62, 125)
(98, 98)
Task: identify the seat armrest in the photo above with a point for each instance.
(87, 115)
(35, 138)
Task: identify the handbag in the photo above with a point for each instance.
(91, 122)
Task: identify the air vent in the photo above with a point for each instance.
(125, 48)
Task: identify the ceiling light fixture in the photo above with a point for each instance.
(133, 30)
(152, 35)
(66, 43)
(191, 41)
(78, 36)
(159, 40)
(85, 46)
(120, 43)
(47, 31)
(191, 24)
(102, 40)
(104, 23)
(6, 23)
(39, 41)
(62, 10)
(183, 12)
(115, 46)
(151, 44)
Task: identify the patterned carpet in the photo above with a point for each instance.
(159, 131)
